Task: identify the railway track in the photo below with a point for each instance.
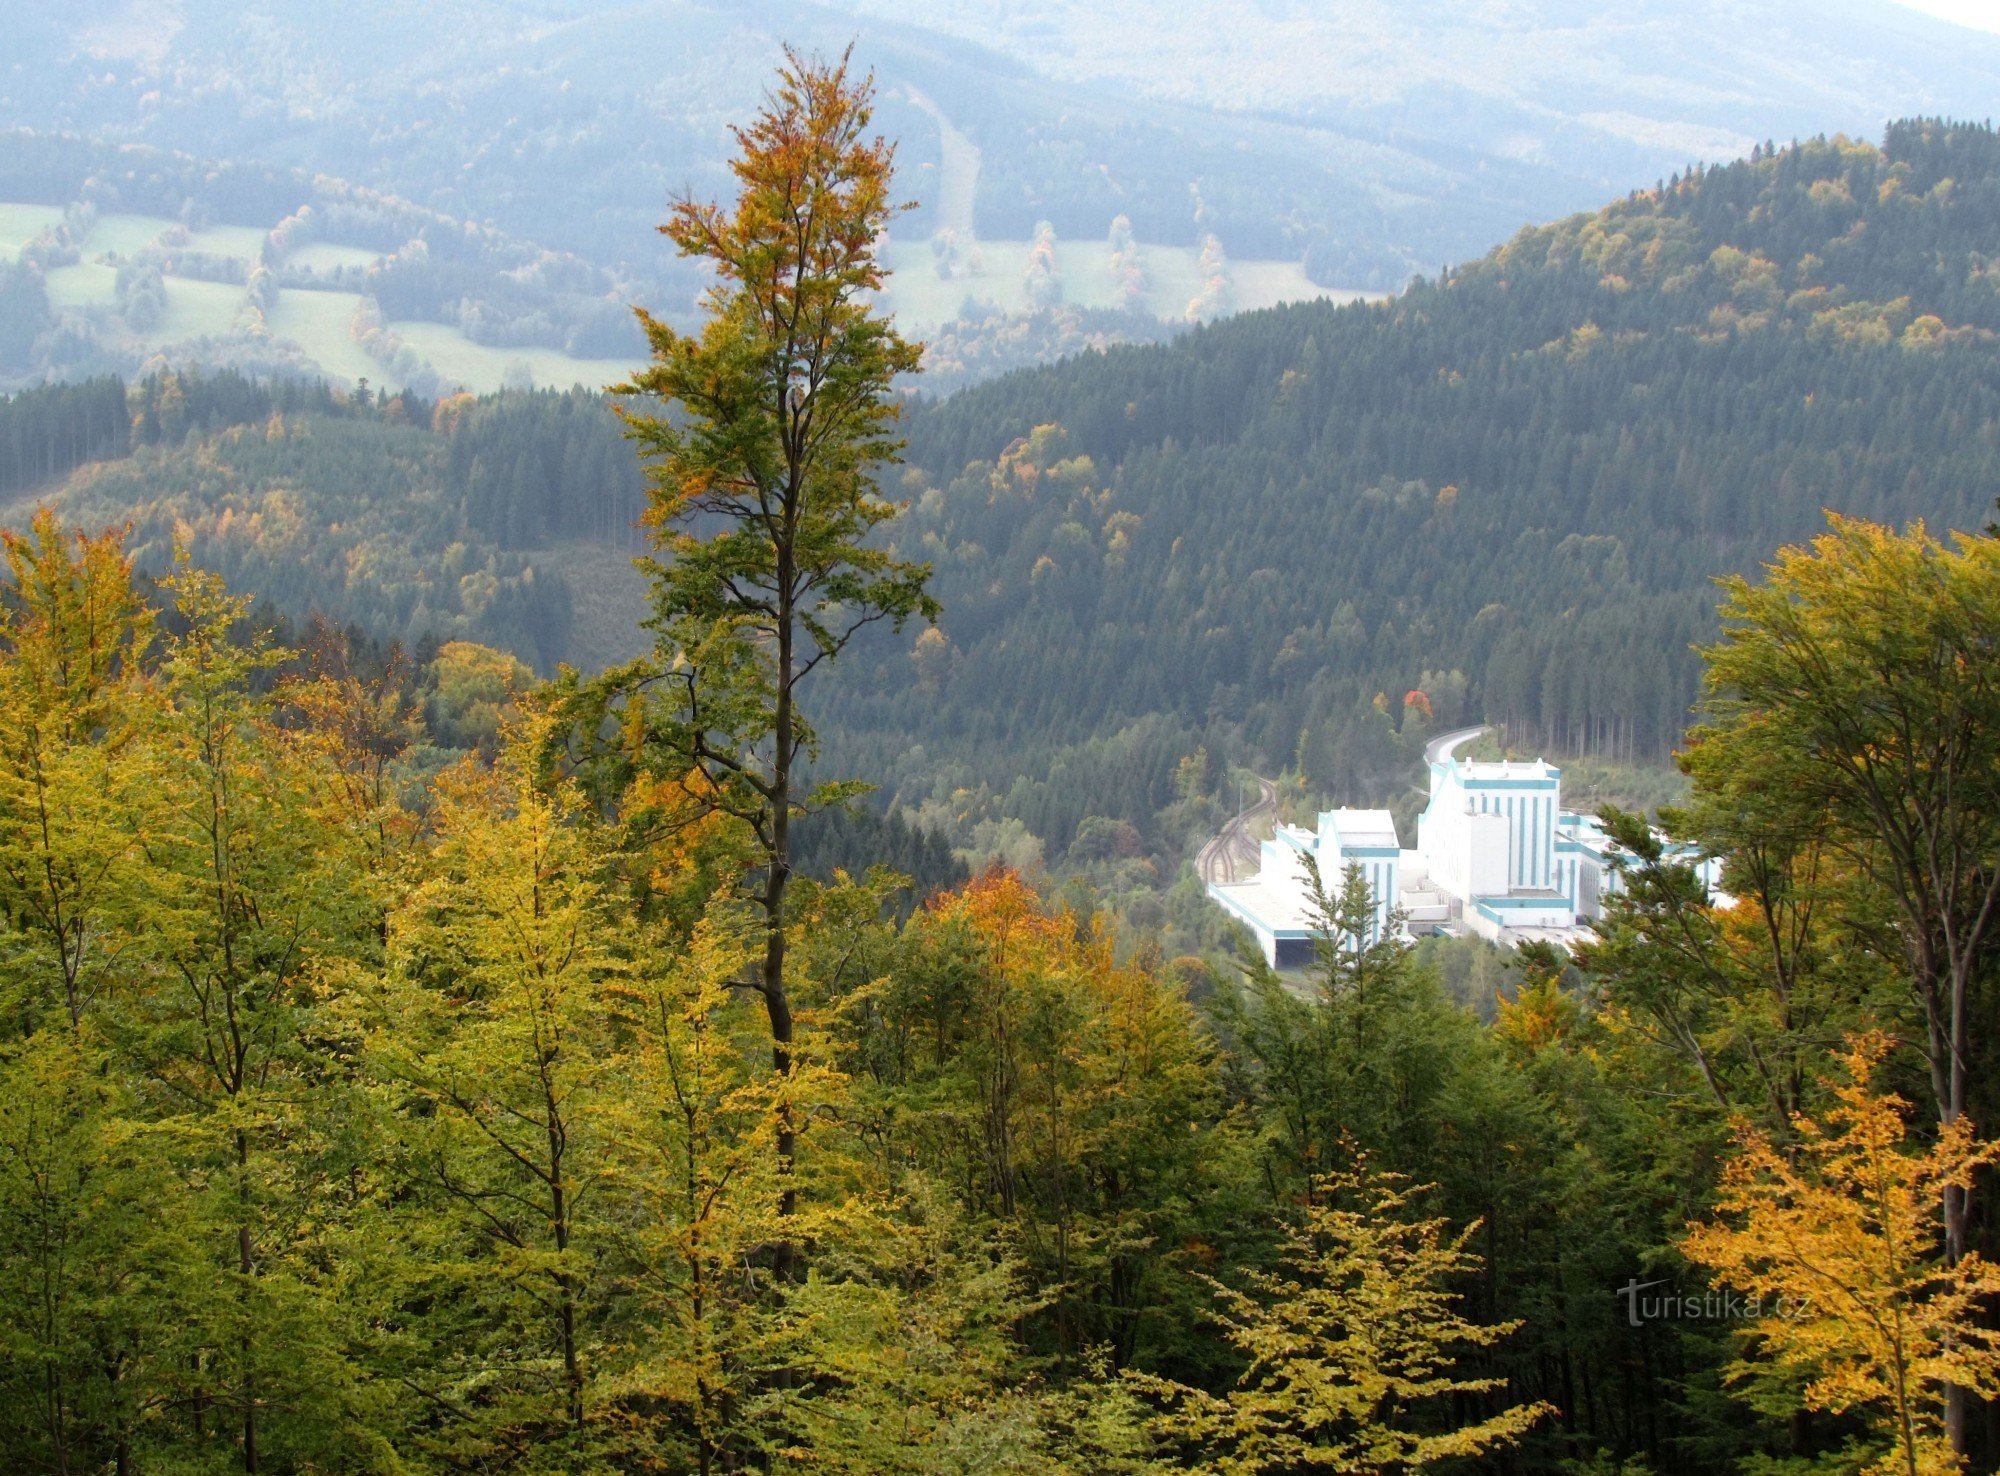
(1232, 855)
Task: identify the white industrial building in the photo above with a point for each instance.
(1496, 855)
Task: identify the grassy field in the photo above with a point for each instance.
(919, 297)
(198, 310)
(245, 243)
(20, 224)
(479, 366)
(125, 235)
(85, 285)
(319, 323)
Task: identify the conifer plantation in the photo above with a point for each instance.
(409, 1065)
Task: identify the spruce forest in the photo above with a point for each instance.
(658, 930)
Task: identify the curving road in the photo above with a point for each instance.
(1235, 849)
(1444, 743)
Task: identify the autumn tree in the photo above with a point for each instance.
(693, 1174)
(1837, 1234)
(1069, 1098)
(1351, 1347)
(253, 881)
(75, 1178)
(72, 635)
(1853, 704)
(491, 1025)
(762, 491)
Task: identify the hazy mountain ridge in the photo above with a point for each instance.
(1388, 140)
(1700, 80)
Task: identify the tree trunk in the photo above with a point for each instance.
(565, 1283)
(246, 1264)
(777, 1003)
(1957, 1398)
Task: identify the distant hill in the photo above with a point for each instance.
(1580, 91)
(1302, 539)
(124, 260)
(1508, 490)
(1367, 139)
(128, 259)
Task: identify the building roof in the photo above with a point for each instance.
(1489, 771)
(1360, 829)
(1442, 754)
(1278, 905)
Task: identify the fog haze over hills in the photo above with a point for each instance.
(1380, 138)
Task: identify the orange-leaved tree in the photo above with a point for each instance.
(763, 496)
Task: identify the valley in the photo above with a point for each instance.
(1268, 739)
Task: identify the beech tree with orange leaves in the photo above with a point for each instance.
(763, 495)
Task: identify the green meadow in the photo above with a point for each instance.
(319, 322)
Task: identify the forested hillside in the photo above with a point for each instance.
(462, 518)
(1509, 489)
(380, 1093)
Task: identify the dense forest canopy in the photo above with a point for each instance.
(374, 1098)
(1509, 488)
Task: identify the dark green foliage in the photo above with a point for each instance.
(46, 432)
(529, 468)
(167, 409)
(24, 313)
(1526, 473)
(856, 838)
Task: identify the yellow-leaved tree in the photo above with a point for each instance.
(1352, 1347)
(1840, 1236)
(492, 1025)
